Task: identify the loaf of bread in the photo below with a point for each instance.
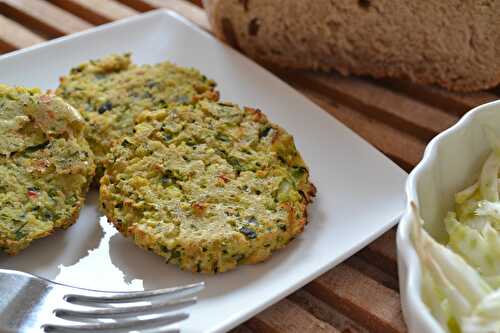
(450, 43)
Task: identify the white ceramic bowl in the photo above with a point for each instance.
(451, 162)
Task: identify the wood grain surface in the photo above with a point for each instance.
(398, 118)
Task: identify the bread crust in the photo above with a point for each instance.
(453, 44)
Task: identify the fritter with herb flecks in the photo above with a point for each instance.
(111, 91)
(46, 166)
(207, 187)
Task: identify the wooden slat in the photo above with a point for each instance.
(6, 47)
(383, 253)
(14, 36)
(325, 312)
(361, 298)
(198, 3)
(374, 271)
(192, 12)
(43, 17)
(404, 148)
(388, 106)
(496, 91)
(96, 11)
(286, 316)
(241, 329)
(457, 103)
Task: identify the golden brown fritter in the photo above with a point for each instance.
(45, 166)
(208, 186)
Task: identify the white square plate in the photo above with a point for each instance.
(360, 191)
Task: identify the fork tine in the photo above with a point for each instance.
(56, 329)
(124, 323)
(104, 297)
(65, 329)
(94, 312)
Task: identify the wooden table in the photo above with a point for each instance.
(361, 294)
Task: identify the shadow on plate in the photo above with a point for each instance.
(137, 263)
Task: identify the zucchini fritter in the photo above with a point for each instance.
(111, 91)
(207, 187)
(45, 166)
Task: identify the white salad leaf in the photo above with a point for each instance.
(435, 299)
(488, 208)
(464, 195)
(473, 246)
(461, 280)
(475, 324)
(455, 271)
(489, 307)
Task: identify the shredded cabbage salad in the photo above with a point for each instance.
(461, 280)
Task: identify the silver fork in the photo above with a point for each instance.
(32, 304)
